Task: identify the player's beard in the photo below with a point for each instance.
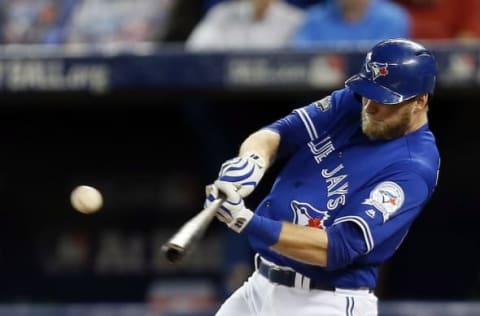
(389, 128)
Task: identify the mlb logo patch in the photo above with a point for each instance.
(387, 197)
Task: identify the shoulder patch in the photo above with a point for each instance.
(387, 197)
(324, 104)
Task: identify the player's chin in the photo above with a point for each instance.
(373, 129)
(381, 130)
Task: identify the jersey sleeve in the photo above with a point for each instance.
(310, 122)
(382, 214)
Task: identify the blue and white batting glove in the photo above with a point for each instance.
(233, 211)
(244, 172)
(211, 192)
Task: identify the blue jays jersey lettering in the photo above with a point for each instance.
(330, 162)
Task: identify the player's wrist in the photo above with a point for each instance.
(264, 229)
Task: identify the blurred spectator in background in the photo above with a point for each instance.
(113, 21)
(444, 19)
(338, 21)
(84, 21)
(246, 24)
(35, 21)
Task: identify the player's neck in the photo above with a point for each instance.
(419, 121)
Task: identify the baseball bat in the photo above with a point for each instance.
(181, 242)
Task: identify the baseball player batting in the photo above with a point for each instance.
(360, 164)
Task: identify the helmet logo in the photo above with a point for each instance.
(378, 69)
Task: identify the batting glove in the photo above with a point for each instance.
(233, 211)
(244, 172)
(211, 193)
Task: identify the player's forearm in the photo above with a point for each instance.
(306, 244)
(264, 143)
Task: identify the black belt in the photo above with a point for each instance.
(287, 278)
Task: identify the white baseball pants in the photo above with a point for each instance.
(259, 297)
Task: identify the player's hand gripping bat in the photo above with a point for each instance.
(193, 230)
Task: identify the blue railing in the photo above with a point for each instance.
(145, 65)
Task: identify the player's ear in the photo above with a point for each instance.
(421, 101)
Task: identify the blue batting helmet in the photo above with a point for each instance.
(395, 70)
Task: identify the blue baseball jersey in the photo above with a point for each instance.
(364, 193)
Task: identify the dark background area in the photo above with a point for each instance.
(151, 152)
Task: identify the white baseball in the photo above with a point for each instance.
(86, 199)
